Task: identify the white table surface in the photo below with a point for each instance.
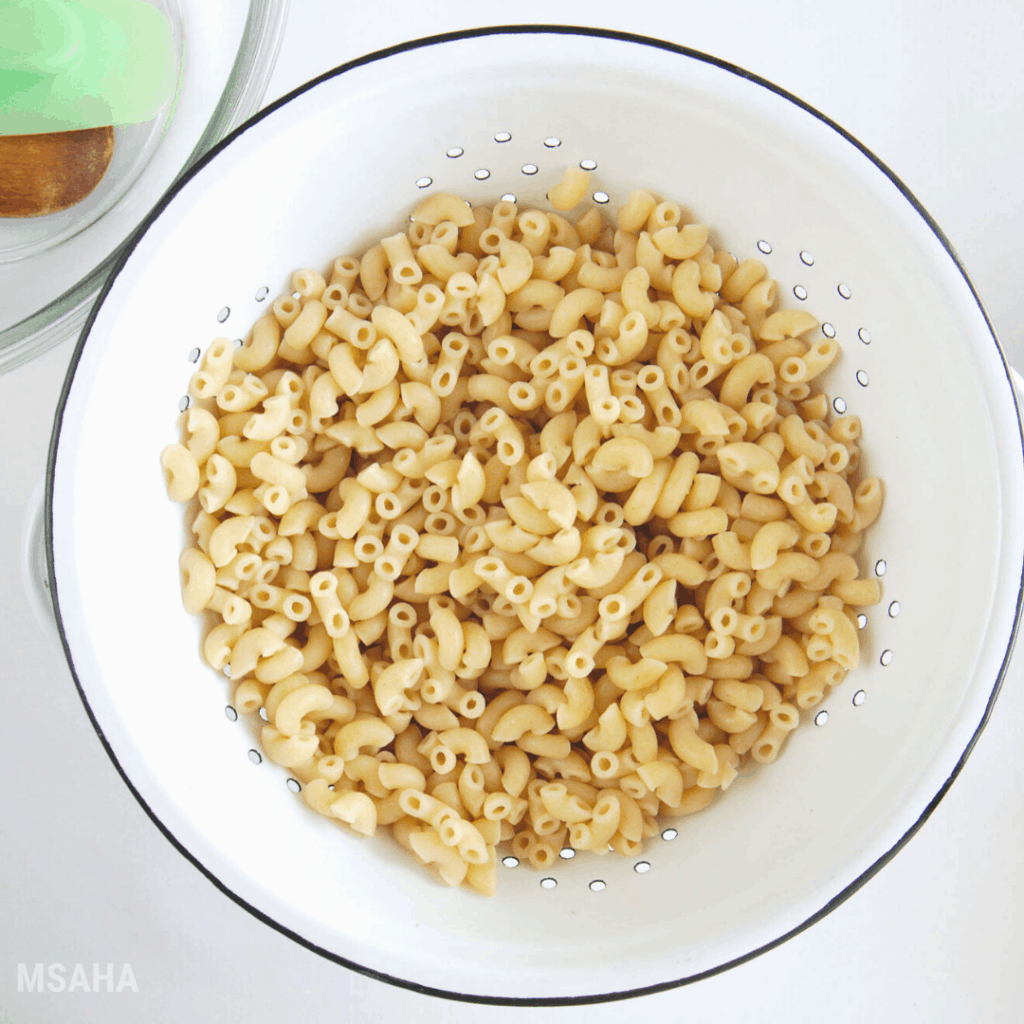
(936, 90)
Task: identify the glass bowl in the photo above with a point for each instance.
(51, 268)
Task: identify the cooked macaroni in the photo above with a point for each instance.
(524, 531)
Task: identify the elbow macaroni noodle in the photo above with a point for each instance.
(524, 531)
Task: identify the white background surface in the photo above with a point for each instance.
(936, 90)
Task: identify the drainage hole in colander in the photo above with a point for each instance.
(230, 714)
(294, 785)
(223, 314)
(602, 197)
(508, 197)
(183, 403)
(597, 885)
(529, 168)
(262, 292)
(844, 290)
(548, 883)
(880, 567)
(455, 152)
(806, 258)
(237, 343)
(839, 404)
(641, 867)
(567, 853)
(510, 862)
(588, 164)
(482, 174)
(255, 756)
(858, 698)
(886, 658)
(424, 182)
(226, 671)
(263, 714)
(864, 336)
(800, 292)
(764, 246)
(894, 609)
(193, 356)
(503, 137)
(552, 143)
(828, 330)
(862, 621)
(821, 718)
(862, 378)
(669, 834)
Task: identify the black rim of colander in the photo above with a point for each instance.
(129, 248)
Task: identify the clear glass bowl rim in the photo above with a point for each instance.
(242, 95)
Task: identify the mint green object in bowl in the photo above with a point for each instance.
(71, 65)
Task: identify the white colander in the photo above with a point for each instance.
(338, 164)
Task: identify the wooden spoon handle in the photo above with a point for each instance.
(41, 174)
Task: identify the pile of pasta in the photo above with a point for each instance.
(524, 530)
